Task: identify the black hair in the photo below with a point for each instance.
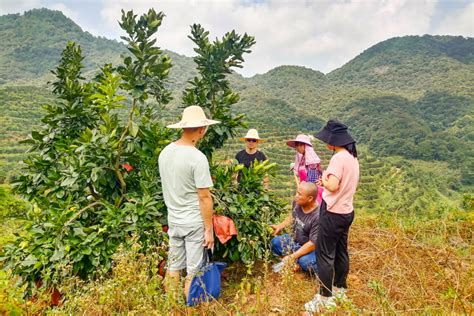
(352, 149)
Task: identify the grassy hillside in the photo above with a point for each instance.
(400, 263)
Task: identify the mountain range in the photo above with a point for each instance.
(407, 99)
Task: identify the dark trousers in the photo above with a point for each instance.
(331, 249)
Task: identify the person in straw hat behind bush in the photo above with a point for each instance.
(250, 154)
(186, 182)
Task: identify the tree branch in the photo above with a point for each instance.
(72, 219)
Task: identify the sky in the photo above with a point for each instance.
(319, 34)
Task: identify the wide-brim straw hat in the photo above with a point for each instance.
(193, 116)
(301, 138)
(335, 133)
(252, 134)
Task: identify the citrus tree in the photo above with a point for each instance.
(92, 176)
(210, 89)
(247, 202)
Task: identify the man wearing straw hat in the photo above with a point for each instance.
(186, 182)
(248, 155)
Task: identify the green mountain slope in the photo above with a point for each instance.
(409, 96)
(32, 44)
(412, 64)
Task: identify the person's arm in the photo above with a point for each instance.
(297, 181)
(310, 245)
(330, 182)
(332, 176)
(277, 228)
(205, 205)
(304, 250)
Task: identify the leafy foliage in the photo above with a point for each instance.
(10, 206)
(251, 207)
(248, 202)
(86, 202)
(93, 177)
(211, 89)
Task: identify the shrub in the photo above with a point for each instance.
(93, 177)
(250, 205)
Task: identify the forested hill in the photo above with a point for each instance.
(413, 64)
(32, 43)
(411, 96)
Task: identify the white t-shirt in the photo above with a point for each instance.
(183, 170)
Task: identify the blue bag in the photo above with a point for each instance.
(206, 284)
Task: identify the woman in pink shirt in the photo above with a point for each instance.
(337, 213)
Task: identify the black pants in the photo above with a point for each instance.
(331, 250)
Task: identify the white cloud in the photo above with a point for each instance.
(460, 22)
(319, 34)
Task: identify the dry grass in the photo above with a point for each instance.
(424, 267)
(396, 271)
(393, 270)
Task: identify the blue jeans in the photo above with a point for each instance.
(284, 245)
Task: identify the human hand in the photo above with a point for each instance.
(276, 229)
(319, 182)
(208, 239)
(289, 259)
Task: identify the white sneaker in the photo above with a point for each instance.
(320, 302)
(339, 293)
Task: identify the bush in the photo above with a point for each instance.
(252, 208)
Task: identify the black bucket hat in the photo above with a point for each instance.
(335, 133)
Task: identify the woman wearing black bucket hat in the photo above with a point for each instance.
(336, 215)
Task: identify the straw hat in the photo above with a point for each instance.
(252, 134)
(193, 116)
(301, 138)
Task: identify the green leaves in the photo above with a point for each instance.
(133, 129)
(145, 74)
(249, 204)
(68, 73)
(29, 261)
(210, 89)
(93, 176)
(86, 202)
